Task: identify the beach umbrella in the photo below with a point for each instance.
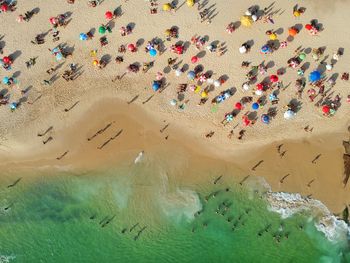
(179, 50)
(190, 3)
(155, 86)
(167, 7)
(265, 118)
(242, 49)
(308, 27)
(246, 21)
(59, 56)
(258, 92)
(289, 114)
(255, 106)
(102, 30)
(238, 106)
(283, 44)
(203, 78)
(13, 105)
(95, 62)
(292, 31)
(272, 96)
(255, 18)
(83, 36)
(6, 60)
(315, 76)
(131, 47)
(246, 86)
(302, 56)
(194, 59)
(52, 20)
(229, 117)
(178, 72)
(191, 75)
(173, 102)
(153, 52)
(204, 94)
(273, 36)
(326, 109)
(273, 78)
(260, 86)
(217, 83)
(5, 80)
(245, 120)
(4, 7)
(265, 49)
(108, 15)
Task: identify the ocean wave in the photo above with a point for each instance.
(6, 259)
(288, 204)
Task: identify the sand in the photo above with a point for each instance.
(101, 102)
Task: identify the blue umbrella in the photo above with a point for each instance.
(315, 76)
(272, 96)
(5, 80)
(59, 56)
(155, 86)
(153, 52)
(229, 117)
(255, 106)
(265, 49)
(265, 119)
(83, 36)
(191, 75)
(13, 105)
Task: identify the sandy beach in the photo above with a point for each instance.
(77, 109)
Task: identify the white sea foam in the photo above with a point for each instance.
(6, 259)
(287, 204)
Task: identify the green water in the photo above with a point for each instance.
(61, 217)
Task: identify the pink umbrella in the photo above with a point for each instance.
(53, 20)
(203, 78)
(109, 15)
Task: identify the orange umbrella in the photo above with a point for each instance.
(292, 31)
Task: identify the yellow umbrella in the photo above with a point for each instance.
(190, 3)
(246, 21)
(204, 94)
(167, 7)
(167, 32)
(197, 89)
(273, 36)
(296, 13)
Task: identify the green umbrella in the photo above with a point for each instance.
(302, 56)
(102, 29)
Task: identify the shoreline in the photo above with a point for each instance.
(146, 136)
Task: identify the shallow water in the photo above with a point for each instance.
(140, 213)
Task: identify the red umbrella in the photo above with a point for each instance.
(308, 26)
(260, 86)
(108, 15)
(4, 8)
(326, 109)
(194, 59)
(6, 60)
(246, 121)
(238, 106)
(273, 78)
(131, 47)
(179, 50)
(52, 20)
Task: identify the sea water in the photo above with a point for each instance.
(138, 213)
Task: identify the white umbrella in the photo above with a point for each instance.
(178, 72)
(258, 92)
(217, 83)
(242, 50)
(173, 102)
(210, 81)
(246, 86)
(289, 114)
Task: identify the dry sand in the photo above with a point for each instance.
(102, 102)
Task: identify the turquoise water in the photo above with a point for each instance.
(141, 214)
